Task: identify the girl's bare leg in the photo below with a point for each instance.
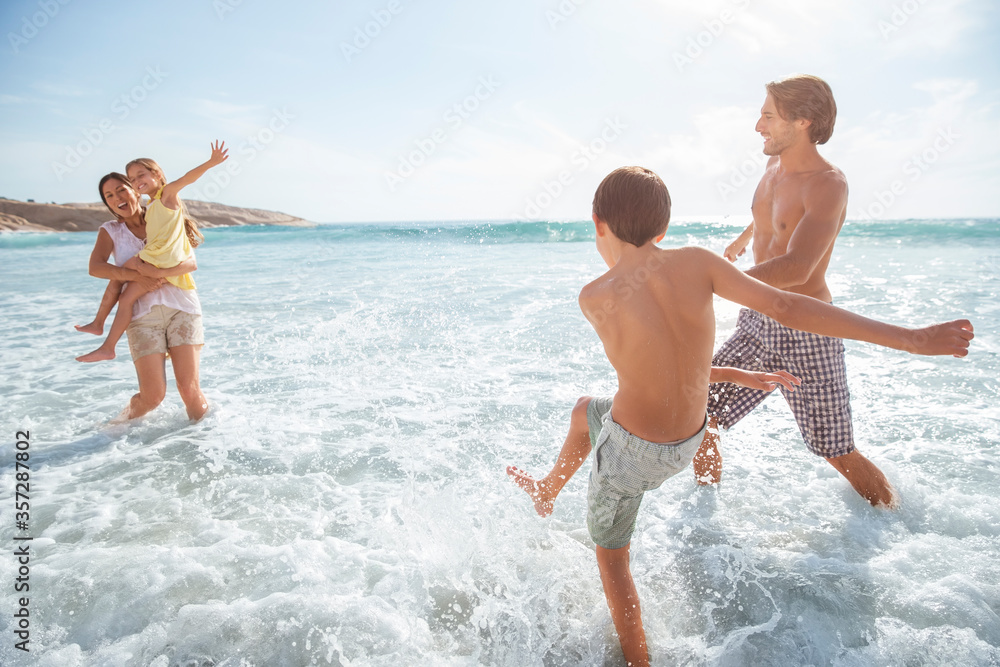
(574, 452)
(108, 302)
(122, 318)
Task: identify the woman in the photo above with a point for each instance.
(166, 319)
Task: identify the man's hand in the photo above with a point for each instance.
(938, 339)
(735, 249)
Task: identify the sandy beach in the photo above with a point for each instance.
(37, 217)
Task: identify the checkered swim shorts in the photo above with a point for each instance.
(625, 467)
(821, 404)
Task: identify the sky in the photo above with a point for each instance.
(440, 110)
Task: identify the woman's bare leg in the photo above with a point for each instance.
(575, 450)
(108, 302)
(187, 361)
(133, 291)
(152, 374)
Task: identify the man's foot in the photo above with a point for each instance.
(100, 354)
(92, 328)
(538, 491)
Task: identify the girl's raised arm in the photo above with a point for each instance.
(170, 191)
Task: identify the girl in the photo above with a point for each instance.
(170, 236)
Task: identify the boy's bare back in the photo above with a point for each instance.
(653, 312)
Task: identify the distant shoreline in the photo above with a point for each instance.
(37, 217)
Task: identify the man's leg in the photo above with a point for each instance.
(866, 479)
(623, 601)
(575, 450)
(707, 462)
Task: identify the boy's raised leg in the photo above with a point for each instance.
(707, 462)
(623, 601)
(574, 452)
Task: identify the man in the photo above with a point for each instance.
(654, 314)
(798, 209)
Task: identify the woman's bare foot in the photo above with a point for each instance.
(539, 491)
(100, 354)
(92, 328)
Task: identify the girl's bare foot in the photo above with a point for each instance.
(100, 354)
(92, 328)
(538, 491)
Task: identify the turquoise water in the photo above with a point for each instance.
(345, 503)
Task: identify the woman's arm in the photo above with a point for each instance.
(189, 265)
(100, 267)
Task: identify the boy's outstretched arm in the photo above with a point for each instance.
(807, 314)
(170, 191)
(753, 379)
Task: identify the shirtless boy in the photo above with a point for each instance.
(798, 210)
(653, 312)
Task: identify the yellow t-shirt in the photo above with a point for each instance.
(167, 242)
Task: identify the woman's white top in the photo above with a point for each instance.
(127, 246)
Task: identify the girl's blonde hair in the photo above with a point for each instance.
(190, 225)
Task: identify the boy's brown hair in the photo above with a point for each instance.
(808, 97)
(634, 203)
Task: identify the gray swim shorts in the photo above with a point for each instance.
(161, 329)
(625, 467)
(821, 404)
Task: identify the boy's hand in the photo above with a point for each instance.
(946, 338)
(766, 381)
(219, 153)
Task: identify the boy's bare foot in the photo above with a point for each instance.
(100, 354)
(92, 328)
(538, 491)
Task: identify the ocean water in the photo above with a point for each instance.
(345, 502)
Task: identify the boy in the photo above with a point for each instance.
(653, 312)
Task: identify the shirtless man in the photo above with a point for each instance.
(654, 313)
(798, 210)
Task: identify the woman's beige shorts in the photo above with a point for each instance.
(161, 329)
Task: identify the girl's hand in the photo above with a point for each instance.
(146, 268)
(219, 153)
